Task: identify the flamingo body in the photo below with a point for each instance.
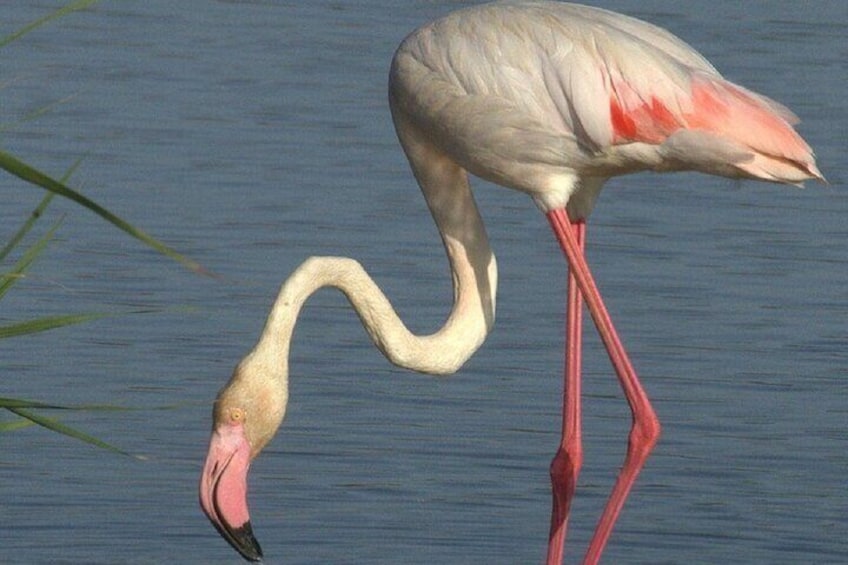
(550, 99)
(546, 97)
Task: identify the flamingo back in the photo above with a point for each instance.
(549, 98)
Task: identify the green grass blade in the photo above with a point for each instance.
(6, 402)
(48, 323)
(52, 322)
(67, 9)
(31, 175)
(58, 427)
(27, 226)
(7, 280)
(17, 424)
(37, 113)
(35, 215)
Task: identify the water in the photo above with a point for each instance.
(251, 135)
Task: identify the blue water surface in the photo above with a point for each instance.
(253, 134)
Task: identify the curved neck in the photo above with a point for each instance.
(472, 265)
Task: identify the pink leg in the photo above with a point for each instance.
(569, 457)
(645, 429)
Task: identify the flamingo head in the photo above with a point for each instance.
(247, 414)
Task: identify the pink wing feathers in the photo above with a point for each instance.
(565, 86)
(710, 124)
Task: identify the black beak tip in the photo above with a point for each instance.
(243, 540)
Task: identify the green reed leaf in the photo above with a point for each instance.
(58, 427)
(67, 9)
(31, 175)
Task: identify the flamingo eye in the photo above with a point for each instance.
(236, 415)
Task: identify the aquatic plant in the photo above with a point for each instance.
(29, 412)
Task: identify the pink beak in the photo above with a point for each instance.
(223, 489)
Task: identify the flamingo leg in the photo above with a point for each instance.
(566, 464)
(645, 429)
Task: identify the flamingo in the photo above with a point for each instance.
(550, 99)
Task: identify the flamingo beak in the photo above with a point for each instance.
(223, 489)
